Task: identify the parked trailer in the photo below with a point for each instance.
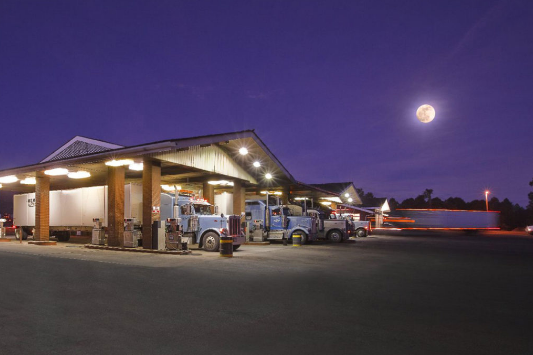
(427, 219)
(74, 210)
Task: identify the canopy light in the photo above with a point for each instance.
(268, 176)
(346, 195)
(56, 172)
(8, 179)
(28, 181)
(221, 183)
(257, 164)
(79, 175)
(271, 192)
(137, 166)
(0, 186)
(301, 198)
(243, 151)
(350, 199)
(334, 199)
(170, 188)
(121, 162)
(326, 203)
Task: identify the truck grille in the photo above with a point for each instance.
(234, 225)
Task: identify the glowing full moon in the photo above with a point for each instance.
(425, 113)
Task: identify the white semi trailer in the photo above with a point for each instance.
(74, 210)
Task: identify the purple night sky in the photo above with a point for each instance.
(332, 87)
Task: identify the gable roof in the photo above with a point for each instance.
(78, 146)
(336, 187)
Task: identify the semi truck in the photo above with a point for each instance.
(428, 219)
(276, 222)
(353, 228)
(73, 210)
(199, 223)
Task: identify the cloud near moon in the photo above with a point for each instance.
(425, 113)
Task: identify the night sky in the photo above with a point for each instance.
(332, 87)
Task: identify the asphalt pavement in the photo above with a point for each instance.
(401, 294)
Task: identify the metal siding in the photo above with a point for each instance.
(212, 159)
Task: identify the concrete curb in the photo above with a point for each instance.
(135, 250)
(43, 243)
(4, 240)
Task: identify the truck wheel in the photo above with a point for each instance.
(335, 236)
(235, 247)
(361, 233)
(211, 242)
(63, 236)
(24, 234)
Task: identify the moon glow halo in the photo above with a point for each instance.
(425, 113)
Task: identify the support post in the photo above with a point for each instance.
(208, 192)
(151, 199)
(115, 206)
(239, 193)
(42, 207)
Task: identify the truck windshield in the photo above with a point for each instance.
(202, 209)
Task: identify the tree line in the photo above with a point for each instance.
(512, 215)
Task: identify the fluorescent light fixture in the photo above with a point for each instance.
(137, 166)
(170, 188)
(326, 203)
(243, 151)
(56, 172)
(346, 195)
(271, 192)
(28, 181)
(221, 183)
(268, 176)
(79, 174)
(350, 199)
(257, 164)
(0, 186)
(334, 199)
(8, 179)
(301, 198)
(120, 162)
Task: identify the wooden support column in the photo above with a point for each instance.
(285, 196)
(151, 199)
(239, 193)
(42, 207)
(115, 206)
(209, 193)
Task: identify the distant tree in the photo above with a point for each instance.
(437, 203)
(408, 203)
(455, 203)
(530, 195)
(427, 195)
(420, 201)
(393, 204)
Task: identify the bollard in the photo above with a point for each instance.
(226, 246)
(184, 246)
(296, 240)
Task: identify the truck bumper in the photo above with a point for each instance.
(238, 240)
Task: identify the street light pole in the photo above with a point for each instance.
(487, 199)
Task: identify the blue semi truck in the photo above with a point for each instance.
(199, 223)
(275, 222)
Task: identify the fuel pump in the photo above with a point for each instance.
(98, 236)
(2, 228)
(130, 241)
(173, 234)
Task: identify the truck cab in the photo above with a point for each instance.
(277, 222)
(199, 223)
(329, 227)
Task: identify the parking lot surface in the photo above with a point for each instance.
(386, 294)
